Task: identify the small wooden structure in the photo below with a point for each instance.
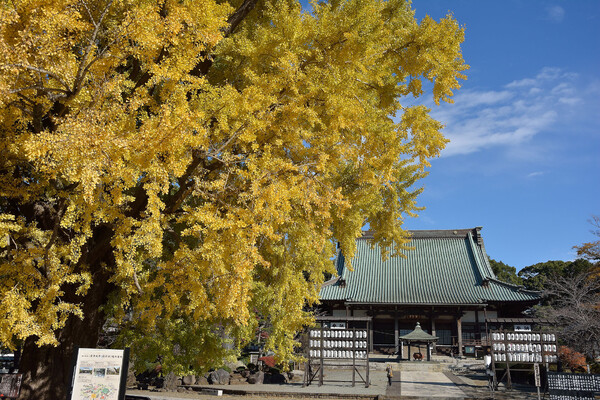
(338, 342)
(417, 336)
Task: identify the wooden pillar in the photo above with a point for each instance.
(487, 330)
(396, 331)
(401, 350)
(433, 330)
(477, 325)
(371, 335)
(459, 333)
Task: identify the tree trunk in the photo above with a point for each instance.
(46, 370)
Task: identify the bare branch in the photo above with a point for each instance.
(137, 283)
(89, 12)
(41, 89)
(42, 71)
(84, 66)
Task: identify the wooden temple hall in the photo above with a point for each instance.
(445, 284)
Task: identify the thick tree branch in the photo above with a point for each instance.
(184, 183)
(202, 68)
(62, 207)
(238, 16)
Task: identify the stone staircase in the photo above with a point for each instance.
(437, 364)
(378, 362)
(421, 366)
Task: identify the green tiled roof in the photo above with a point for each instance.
(446, 267)
(419, 335)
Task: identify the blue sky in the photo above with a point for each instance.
(524, 156)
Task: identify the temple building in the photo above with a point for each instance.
(445, 283)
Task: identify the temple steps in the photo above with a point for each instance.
(422, 366)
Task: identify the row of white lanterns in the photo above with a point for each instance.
(339, 343)
(530, 347)
(339, 334)
(525, 357)
(337, 354)
(524, 337)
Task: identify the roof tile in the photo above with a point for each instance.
(445, 267)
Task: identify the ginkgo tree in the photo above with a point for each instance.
(182, 167)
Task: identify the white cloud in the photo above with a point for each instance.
(481, 119)
(522, 83)
(555, 13)
(534, 174)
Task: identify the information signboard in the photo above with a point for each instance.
(100, 374)
(10, 385)
(522, 328)
(565, 386)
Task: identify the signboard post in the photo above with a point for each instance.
(536, 374)
(99, 374)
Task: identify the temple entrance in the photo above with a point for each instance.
(383, 335)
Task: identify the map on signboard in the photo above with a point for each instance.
(97, 374)
(98, 391)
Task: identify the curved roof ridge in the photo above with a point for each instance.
(483, 273)
(433, 233)
(520, 288)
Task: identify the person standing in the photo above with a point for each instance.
(487, 360)
(390, 374)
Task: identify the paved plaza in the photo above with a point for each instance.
(337, 383)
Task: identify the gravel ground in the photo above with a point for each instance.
(198, 396)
